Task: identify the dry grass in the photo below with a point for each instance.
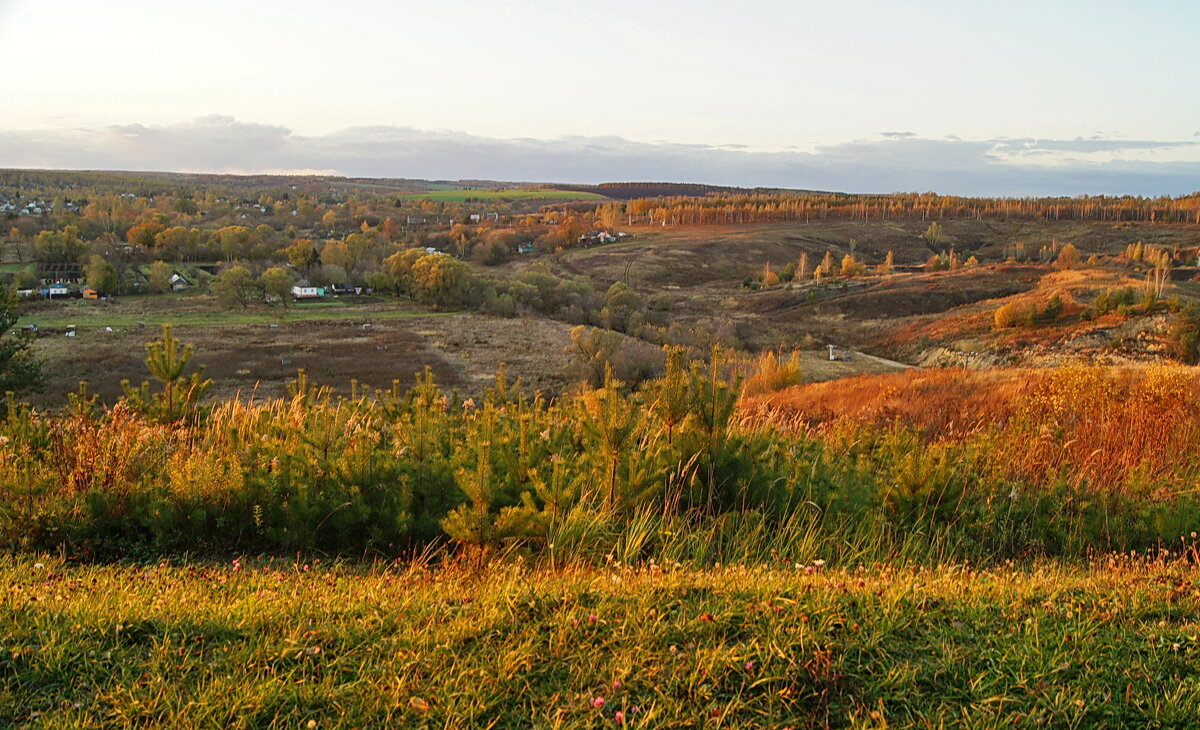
(938, 402)
(1103, 427)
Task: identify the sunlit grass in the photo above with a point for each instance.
(276, 644)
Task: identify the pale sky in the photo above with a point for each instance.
(1072, 94)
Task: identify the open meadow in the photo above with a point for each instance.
(249, 643)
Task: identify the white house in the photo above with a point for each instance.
(303, 290)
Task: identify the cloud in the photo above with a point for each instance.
(893, 161)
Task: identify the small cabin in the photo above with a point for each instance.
(179, 283)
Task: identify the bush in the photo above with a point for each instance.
(769, 374)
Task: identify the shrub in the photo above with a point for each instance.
(769, 374)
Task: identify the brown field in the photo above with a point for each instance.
(464, 352)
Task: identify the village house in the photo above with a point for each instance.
(304, 291)
(179, 283)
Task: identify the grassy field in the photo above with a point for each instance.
(280, 645)
(87, 315)
(463, 195)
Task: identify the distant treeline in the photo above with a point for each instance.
(631, 190)
(716, 208)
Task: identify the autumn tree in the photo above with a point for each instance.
(143, 234)
(234, 241)
(390, 229)
(277, 285)
(160, 277)
(234, 287)
(177, 243)
(101, 275)
(399, 266)
(593, 350)
(63, 246)
(933, 234)
(1161, 273)
(1068, 257)
(331, 219)
(888, 262)
(303, 254)
(440, 279)
(769, 278)
(802, 266)
(851, 267)
(610, 215)
(337, 253)
(621, 303)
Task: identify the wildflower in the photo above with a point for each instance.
(819, 563)
(619, 717)
(597, 702)
(616, 685)
(468, 403)
(808, 570)
(750, 666)
(312, 724)
(38, 565)
(591, 618)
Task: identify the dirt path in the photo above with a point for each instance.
(885, 361)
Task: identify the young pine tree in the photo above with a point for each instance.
(179, 395)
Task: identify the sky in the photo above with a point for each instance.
(980, 98)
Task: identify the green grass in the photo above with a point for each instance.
(459, 196)
(276, 644)
(90, 316)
